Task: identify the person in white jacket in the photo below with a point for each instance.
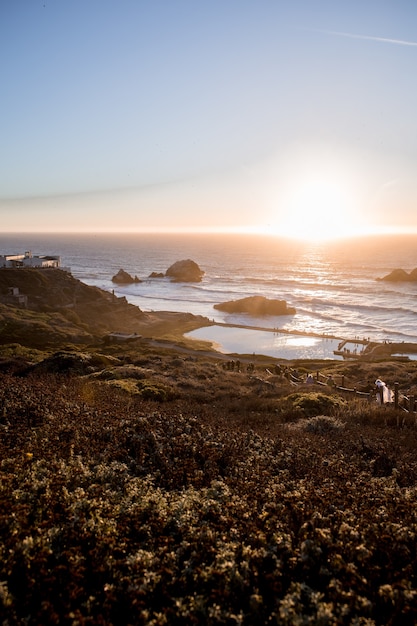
(383, 394)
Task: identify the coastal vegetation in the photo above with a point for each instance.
(60, 309)
(147, 483)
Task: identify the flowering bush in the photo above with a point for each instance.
(321, 424)
(117, 509)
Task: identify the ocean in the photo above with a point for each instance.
(334, 287)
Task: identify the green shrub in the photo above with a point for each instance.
(122, 372)
(311, 404)
(150, 390)
(126, 384)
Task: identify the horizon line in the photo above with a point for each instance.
(220, 231)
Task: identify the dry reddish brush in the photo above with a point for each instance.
(233, 500)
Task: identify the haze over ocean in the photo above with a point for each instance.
(333, 286)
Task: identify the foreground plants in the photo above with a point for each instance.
(115, 509)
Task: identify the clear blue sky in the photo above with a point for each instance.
(228, 114)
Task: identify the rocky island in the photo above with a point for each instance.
(400, 275)
(124, 278)
(256, 305)
(186, 271)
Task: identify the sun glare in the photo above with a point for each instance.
(316, 195)
(318, 210)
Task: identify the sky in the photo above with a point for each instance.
(287, 117)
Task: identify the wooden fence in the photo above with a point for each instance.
(400, 400)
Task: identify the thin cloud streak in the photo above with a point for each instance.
(398, 42)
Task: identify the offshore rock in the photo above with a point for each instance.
(256, 305)
(400, 275)
(123, 278)
(186, 271)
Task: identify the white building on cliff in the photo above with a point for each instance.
(28, 260)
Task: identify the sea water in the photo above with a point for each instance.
(335, 287)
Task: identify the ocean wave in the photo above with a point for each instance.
(170, 298)
(293, 290)
(373, 307)
(335, 311)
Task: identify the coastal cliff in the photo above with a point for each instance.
(41, 308)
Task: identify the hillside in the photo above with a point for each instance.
(61, 309)
(147, 483)
(146, 487)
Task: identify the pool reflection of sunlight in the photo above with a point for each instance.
(295, 342)
(302, 341)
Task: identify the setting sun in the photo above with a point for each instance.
(319, 210)
(315, 194)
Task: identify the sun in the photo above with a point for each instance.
(318, 210)
(316, 193)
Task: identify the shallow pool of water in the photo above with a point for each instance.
(232, 340)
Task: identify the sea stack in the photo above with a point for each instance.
(186, 271)
(256, 305)
(400, 275)
(123, 278)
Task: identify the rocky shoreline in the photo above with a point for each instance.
(49, 308)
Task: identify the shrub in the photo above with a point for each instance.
(124, 384)
(320, 424)
(121, 372)
(150, 390)
(311, 404)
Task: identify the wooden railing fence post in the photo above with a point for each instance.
(396, 395)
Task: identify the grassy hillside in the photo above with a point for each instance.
(61, 309)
